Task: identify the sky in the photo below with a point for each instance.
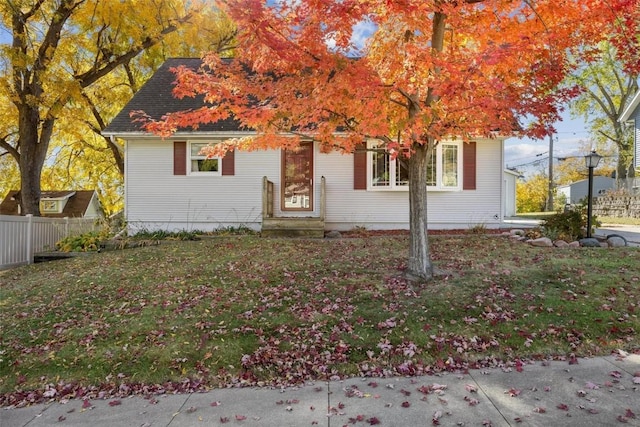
(529, 156)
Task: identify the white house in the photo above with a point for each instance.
(169, 186)
(632, 115)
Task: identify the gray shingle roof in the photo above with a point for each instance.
(156, 99)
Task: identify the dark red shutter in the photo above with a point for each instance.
(469, 166)
(179, 158)
(229, 163)
(360, 168)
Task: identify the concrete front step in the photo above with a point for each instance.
(293, 227)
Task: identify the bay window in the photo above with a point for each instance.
(444, 168)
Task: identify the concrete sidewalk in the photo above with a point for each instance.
(600, 391)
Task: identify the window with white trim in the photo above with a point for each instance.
(198, 164)
(444, 168)
(50, 206)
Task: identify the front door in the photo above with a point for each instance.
(297, 178)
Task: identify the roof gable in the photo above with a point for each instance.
(77, 204)
(628, 112)
(156, 99)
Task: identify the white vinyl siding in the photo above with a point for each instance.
(347, 208)
(636, 138)
(155, 199)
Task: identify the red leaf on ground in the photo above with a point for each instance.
(629, 414)
(224, 420)
(615, 374)
(86, 404)
(472, 401)
(405, 404)
(61, 418)
(115, 403)
(241, 417)
(539, 410)
(373, 421)
(216, 403)
(514, 392)
(562, 407)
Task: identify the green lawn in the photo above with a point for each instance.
(247, 309)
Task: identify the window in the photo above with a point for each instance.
(385, 172)
(199, 164)
(444, 168)
(49, 206)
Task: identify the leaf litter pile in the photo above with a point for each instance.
(233, 311)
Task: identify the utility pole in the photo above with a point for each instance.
(550, 195)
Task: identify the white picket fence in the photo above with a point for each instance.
(23, 236)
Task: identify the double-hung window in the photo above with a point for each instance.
(199, 164)
(387, 173)
(444, 168)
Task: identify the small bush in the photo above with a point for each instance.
(477, 229)
(86, 242)
(569, 225)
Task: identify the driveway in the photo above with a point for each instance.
(629, 232)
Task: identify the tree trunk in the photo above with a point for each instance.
(32, 155)
(419, 267)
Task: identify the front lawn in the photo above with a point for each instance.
(226, 310)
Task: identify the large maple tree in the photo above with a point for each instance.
(429, 70)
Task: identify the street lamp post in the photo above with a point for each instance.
(592, 159)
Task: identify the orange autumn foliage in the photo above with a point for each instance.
(500, 61)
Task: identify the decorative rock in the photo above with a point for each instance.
(589, 242)
(333, 234)
(574, 244)
(542, 242)
(560, 244)
(616, 241)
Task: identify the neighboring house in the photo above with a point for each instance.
(632, 115)
(576, 192)
(169, 186)
(58, 204)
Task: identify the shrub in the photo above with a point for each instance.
(569, 225)
(86, 242)
(477, 229)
